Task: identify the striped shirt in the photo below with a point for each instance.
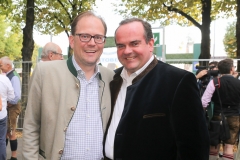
(84, 135)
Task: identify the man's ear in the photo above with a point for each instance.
(50, 56)
(151, 44)
(71, 41)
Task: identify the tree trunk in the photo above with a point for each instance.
(205, 31)
(27, 51)
(238, 34)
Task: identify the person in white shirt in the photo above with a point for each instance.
(0, 103)
(6, 94)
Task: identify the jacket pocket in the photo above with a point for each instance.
(154, 115)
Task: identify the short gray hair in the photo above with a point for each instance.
(49, 47)
(6, 60)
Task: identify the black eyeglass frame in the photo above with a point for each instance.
(80, 34)
(57, 53)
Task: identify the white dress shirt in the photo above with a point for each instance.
(118, 108)
(7, 94)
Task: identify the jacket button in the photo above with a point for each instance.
(65, 129)
(77, 85)
(60, 151)
(73, 108)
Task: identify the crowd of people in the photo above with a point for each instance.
(146, 109)
(221, 99)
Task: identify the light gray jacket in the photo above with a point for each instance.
(52, 101)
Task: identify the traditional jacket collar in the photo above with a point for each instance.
(148, 69)
(73, 70)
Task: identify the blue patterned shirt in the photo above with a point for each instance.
(84, 135)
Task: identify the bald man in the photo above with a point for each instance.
(51, 52)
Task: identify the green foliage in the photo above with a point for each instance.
(51, 17)
(10, 42)
(35, 55)
(199, 13)
(229, 40)
(110, 42)
(13, 46)
(172, 11)
(3, 27)
(180, 56)
(54, 17)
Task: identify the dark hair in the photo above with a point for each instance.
(148, 35)
(215, 63)
(86, 14)
(225, 66)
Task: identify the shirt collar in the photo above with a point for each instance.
(124, 73)
(10, 71)
(79, 69)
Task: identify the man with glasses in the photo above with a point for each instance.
(51, 52)
(69, 101)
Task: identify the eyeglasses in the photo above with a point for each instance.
(87, 37)
(60, 54)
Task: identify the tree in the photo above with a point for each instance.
(27, 50)
(184, 13)
(238, 34)
(54, 17)
(10, 42)
(229, 40)
(51, 17)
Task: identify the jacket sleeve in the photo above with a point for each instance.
(188, 121)
(32, 121)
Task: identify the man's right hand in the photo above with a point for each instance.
(201, 74)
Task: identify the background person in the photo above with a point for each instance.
(6, 94)
(69, 101)
(204, 76)
(229, 92)
(0, 103)
(51, 51)
(13, 106)
(156, 108)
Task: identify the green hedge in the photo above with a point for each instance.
(180, 56)
(110, 42)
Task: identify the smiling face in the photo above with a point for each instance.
(132, 49)
(87, 53)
